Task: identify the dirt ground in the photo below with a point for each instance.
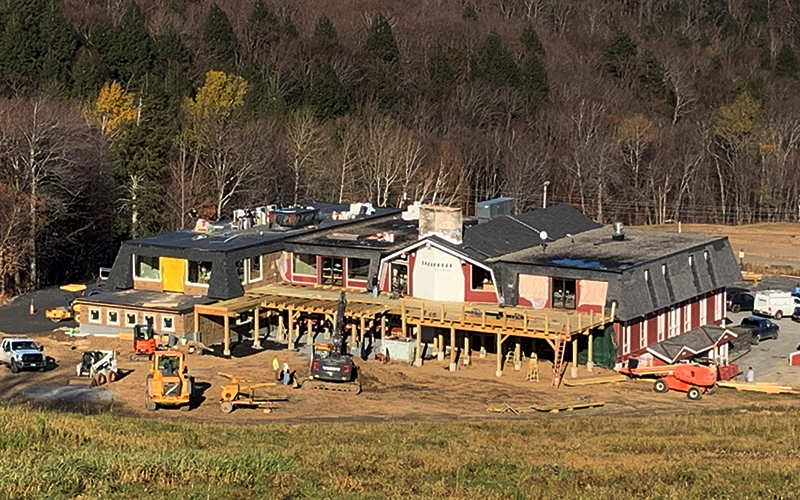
(391, 391)
(772, 244)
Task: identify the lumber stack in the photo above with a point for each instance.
(604, 379)
(765, 387)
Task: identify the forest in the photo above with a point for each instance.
(118, 117)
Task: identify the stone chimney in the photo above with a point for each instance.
(445, 222)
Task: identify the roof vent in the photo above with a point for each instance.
(618, 234)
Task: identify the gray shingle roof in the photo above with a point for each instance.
(689, 344)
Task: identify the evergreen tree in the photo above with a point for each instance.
(651, 77)
(324, 28)
(380, 42)
(36, 45)
(169, 47)
(289, 29)
(328, 96)
(265, 28)
(127, 51)
(534, 76)
(469, 13)
(440, 69)
(497, 64)
(786, 62)
(619, 54)
(220, 40)
(86, 76)
(530, 41)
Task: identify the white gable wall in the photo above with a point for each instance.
(437, 276)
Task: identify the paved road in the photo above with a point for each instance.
(770, 359)
(15, 318)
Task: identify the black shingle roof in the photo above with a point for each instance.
(509, 234)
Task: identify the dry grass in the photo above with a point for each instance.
(740, 454)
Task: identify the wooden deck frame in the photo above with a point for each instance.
(470, 317)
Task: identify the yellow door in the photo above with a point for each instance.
(172, 274)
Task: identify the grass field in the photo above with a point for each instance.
(745, 453)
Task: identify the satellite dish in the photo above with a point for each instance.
(543, 235)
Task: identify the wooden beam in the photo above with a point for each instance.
(226, 336)
(418, 352)
(453, 348)
(363, 331)
(499, 371)
(197, 324)
(256, 328)
(291, 328)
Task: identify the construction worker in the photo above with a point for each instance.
(750, 376)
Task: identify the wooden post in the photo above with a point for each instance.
(590, 360)
(453, 348)
(574, 370)
(499, 372)
(197, 325)
(281, 327)
(517, 357)
(226, 321)
(309, 330)
(440, 354)
(482, 348)
(290, 328)
(362, 331)
(383, 327)
(465, 354)
(404, 326)
(418, 351)
(256, 328)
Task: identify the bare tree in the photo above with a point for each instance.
(303, 145)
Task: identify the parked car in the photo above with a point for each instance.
(757, 328)
(740, 302)
(775, 304)
(796, 315)
(21, 353)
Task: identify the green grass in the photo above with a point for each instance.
(742, 454)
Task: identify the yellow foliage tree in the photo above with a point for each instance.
(220, 95)
(114, 107)
(738, 120)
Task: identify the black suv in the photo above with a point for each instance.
(742, 301)
(796, 314)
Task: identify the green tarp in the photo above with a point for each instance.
(604, 349)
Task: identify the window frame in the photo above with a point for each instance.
(163, 324)
(109, 312)
(243, 262)
(687, 318)
(563, 300)
(250, 261)
(135, 318)
(349, 267)
(153, 316)
(135, 269)
(99, 311)
(626, 340)
(198, 262)
(674, 323)
(661, 327)
(294, 267)
(644, 333)
(703, 312)
(491, 280)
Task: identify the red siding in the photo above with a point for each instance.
(652, 330)
(695, 313)
(710, 313)
(586, 308)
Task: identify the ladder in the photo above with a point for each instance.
(533, 369)
(558, 360)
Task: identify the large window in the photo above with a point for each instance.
(626, 340)
(563, 293)
(255, 269)
(358, 269)
(305, 264)
(481, 279)
(332, 271)
(146, 268)
(199, 272)
(674, 326)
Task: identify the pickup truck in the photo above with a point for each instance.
(757, 328)
(20, 353)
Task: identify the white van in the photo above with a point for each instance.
(775, 304)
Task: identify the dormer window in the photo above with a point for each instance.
(691, 260)
(647, 275)
(705, 254)
(664, 269)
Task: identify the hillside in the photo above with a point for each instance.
(748, 453)
(119, 118)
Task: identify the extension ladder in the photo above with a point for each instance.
(558, 360)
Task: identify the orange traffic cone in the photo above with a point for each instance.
(33, 311)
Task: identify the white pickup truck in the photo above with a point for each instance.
(20, 353)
